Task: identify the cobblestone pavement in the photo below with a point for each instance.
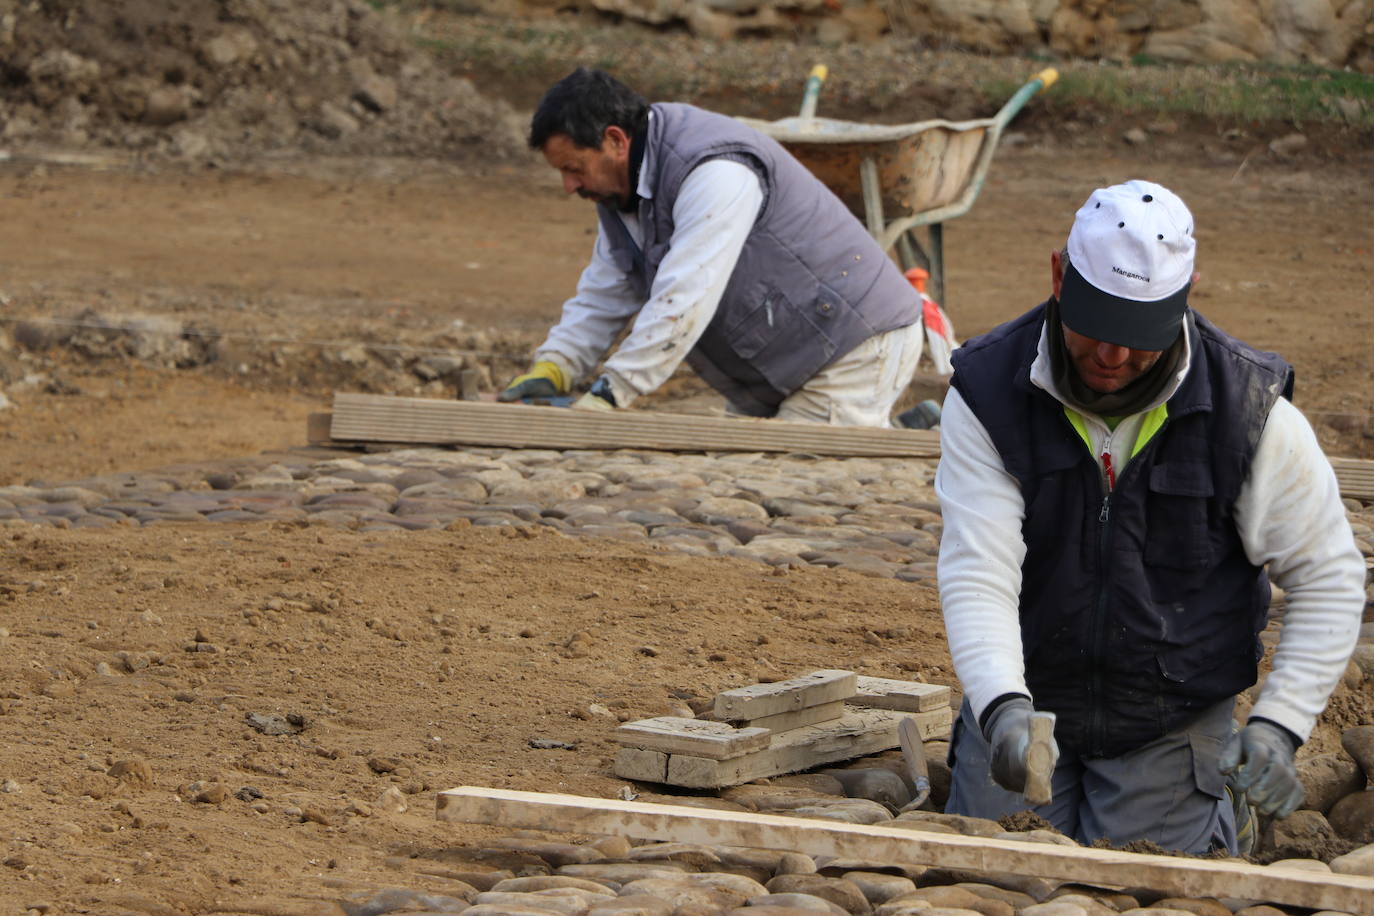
(874, 516)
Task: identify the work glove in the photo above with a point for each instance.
(600, 397)
(544, 380)
(1008, 734)
(1259, 760)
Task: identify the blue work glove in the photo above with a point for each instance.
(1259, 760)
(1008, 733)
(544, 380)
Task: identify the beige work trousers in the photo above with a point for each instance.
(861, 387)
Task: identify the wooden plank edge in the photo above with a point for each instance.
(435, 421)
(1174, 875)
(318, 428)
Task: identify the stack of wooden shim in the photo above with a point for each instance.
(783, 727)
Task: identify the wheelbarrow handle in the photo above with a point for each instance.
(1047, 78)
(813, 90)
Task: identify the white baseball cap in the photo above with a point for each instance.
(1130, 266)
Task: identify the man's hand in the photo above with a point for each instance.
(544, 380)
(1008, 732)
(1259, 759)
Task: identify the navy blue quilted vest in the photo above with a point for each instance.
(1139, 609)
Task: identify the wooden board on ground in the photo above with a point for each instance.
(1176, 876)
(908, 696)
(758, 700)
(431, 421)
(857, 733)
(358, 419)
(1355, 477)
(639, 764)
(699, 737)
(811, 715)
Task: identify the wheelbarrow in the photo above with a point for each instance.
(901, 177)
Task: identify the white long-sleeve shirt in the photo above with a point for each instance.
(1288, 514)
(715, 210)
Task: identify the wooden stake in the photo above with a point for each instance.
(1178, 876)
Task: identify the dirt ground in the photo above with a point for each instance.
(427, 660)
(471, 664)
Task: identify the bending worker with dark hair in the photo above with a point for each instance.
(1120, 479)
(725, 251)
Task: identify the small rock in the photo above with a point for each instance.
(392, 800)
(135, 770)
(879, 888)
(1136, 136)
(270, 724)
(311, 814)
(795, 863)
(204, 793)
(1328, 778)
(793, 904)
(1358, 742)
(839, 891)
(1288, 144)
(1356, 862)
(393, 900)
(1353, 817)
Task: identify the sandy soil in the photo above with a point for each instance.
(436, 657)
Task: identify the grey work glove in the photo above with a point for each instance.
(1259, 759)
(1007, 731)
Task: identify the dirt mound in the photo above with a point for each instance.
(233, 79)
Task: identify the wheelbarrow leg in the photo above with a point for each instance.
(873, 197)
(930, 256)
(910, 253)
(937, 263)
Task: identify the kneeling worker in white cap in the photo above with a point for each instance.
(1120, 480)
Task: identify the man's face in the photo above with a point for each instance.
(601, 175)
(1105, 367)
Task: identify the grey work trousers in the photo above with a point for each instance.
(1169, 791)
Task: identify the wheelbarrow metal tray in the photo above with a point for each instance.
(922, 166)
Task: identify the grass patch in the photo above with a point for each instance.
(892, 81)
(1230, 93)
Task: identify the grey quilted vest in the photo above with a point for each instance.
(810, 285)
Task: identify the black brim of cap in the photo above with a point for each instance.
(1087, 310)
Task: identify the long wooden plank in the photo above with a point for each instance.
(1177, 876)
(360, 418)
(381, 418)
(757, 700)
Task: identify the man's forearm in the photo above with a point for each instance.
(1290, 516)
(980, 559)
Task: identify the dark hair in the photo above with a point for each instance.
(583, 104)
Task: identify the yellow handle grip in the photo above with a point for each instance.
(1048, 76)
(820, 72)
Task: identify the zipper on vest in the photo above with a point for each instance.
(1109, 472)
(1104, 519)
